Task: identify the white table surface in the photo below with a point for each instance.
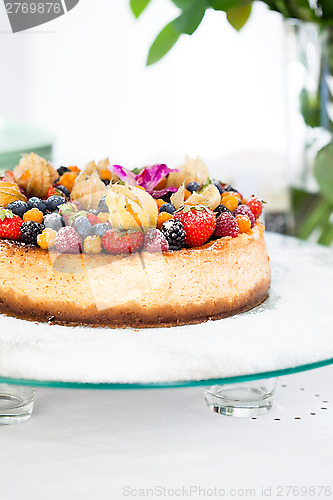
(85, 444)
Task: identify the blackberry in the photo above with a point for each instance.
(217, 184)
(101, 228)
(167, 197)
(64, 190)
(102, 206)
(192, 186)
(167, 207)
(35, 202)
(83, 226)
(18, 208)
(62, 170)
(222, 209)
(54, 221)
(29, 232)
(53, 202)
(174, 233)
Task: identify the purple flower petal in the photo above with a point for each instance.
(149, 177)
(124, 174)
(159, 193)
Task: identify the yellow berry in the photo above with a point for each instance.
(230, 201)
(244, 223)
(163, 217)
(46, 239)
(104, 216)
(34, 215)
(92, 245)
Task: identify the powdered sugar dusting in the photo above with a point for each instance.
(294, 326)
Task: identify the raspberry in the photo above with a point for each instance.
(92, 245)
(174, 233)
(155, 241)
(68, 240)
(255, 205)
(34, 215)
(46, 239)
(226, 225)
(244, 223)
(122, 242)
(245, 210)
(230, 200)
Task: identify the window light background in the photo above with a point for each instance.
(219, 93)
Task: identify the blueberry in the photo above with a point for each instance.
(222, 209)
(217, 184)
(53, 202)
(83, 226)
(102, 206)
(92, 211)
(192, 186)
(167, 207)
(106, 181)
(18, 208)
(62, 170)
(63, 190)
(54, 221)
(35, 202)
(101, 229)
(229, 189)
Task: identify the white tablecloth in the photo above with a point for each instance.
(81, 445)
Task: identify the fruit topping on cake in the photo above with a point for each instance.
(110, 209)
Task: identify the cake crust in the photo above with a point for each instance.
(223, 277)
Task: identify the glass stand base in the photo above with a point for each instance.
(16, 403)
(247, 399)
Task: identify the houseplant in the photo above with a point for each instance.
(309, 30)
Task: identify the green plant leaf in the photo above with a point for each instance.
(323, 170)
(191, 17)
(182, 4)
(238, 16)
(327, 7)
(138, 6)
(224, 5)
(163, 43)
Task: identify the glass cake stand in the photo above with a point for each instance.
(236, 360)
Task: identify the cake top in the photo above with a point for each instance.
(108, 208)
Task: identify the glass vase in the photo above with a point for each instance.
(309, 62)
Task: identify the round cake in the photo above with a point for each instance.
(103, 252)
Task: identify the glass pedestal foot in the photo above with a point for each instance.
(16, 403)
(246, 399)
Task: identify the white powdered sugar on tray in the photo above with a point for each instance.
(294, 326)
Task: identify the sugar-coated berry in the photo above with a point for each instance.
(18, 208)
(75, 215)
(244, 223)
(46, 239)
(255, 206)
(192, 186)
(34, 215)
(102, 206)
(35, 202)
(155, 241)
(163, 217)
(174, 233)
(92, 245)
(245, 210)
(230, 201)
(168, 207)
(83, 226)
(54, 221)
(68, 240)
(217, 184)
(67, 209)
(29, 232)
(104, 216)
(101, 228)
(53, 202)
(226, 225)
(228, 188)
